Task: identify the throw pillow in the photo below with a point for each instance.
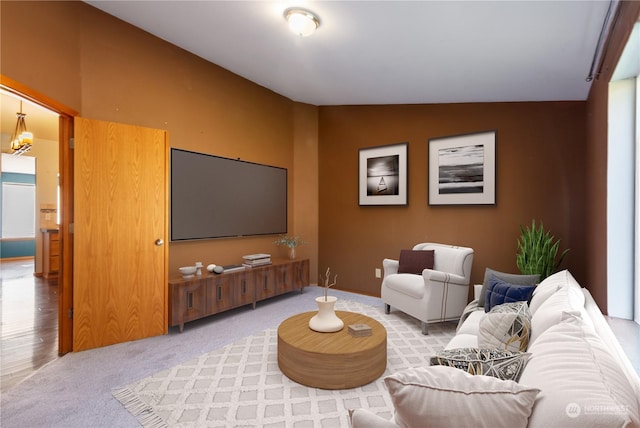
(446, 397)
(499, 292)
(415, 261)
(511, 278)
(505, 365)
(506, 327)
(363, 418)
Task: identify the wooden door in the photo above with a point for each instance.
(120, 233)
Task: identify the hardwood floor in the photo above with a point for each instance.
(29, 329)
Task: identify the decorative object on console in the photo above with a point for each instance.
(326, 320)
(538, 251)
(383, 175)
(291, 242)
(187, 271)
(198, 268)
(253, 260)
(213, 268)
(462, 169)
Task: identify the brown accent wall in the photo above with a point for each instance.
(551, 157)
(596, 150)
(109, 70)
(540, 175)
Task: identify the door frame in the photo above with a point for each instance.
(65, 133)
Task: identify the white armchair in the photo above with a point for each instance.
(439, 294)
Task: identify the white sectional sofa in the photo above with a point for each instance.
(574, 373)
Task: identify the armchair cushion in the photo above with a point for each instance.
(499, 292)
(511, 278)
(415, 261)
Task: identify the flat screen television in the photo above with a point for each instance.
(217, 197)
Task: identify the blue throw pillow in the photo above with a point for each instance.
(499, 292)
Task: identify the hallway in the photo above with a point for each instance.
(29, 329)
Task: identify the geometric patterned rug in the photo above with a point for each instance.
(240, 384)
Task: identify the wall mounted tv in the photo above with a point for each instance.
(216, 197)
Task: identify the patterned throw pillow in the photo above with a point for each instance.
(505, 365)
(506, 327)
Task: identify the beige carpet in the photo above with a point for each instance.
(241, 385)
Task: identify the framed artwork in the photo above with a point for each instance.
(462, 169)
(383, 175)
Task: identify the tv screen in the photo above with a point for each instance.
(216, 197)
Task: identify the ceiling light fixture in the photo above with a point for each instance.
(301, 22)
(21, 139)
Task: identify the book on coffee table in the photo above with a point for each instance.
(359, 330)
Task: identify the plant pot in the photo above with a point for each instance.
(326, 320)
(292, 253)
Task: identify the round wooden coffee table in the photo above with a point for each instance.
(331, 360)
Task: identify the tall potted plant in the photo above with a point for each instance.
(538, 251)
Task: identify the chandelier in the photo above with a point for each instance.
(21, 139)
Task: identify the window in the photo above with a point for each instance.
(623, 185)
(18, 210)
(18, 197)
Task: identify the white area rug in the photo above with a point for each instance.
(240, 385)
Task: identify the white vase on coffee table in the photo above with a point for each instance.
(326, 320)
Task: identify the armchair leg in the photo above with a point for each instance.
(425, 329)
(387, 308)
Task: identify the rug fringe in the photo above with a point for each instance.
(138, 408)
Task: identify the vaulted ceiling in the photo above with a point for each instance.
(389, 52)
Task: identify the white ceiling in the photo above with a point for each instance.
(389, 52)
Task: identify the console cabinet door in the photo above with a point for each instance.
(284, 278)
(220, 293)
(188, 301)
(265, 283)
(300, 274)
(244, 288)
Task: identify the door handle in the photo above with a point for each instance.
(159, 242)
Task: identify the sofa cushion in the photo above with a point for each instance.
(581, 384)
(549, 286)
(441, 396)
(504, 365)
(472, 323)
(499, 292)
(415, 261)
(506, 327)
(554, 310)
(406, 283)
(462, 340)
(511, 278)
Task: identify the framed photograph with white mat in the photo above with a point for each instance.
(383, 175)
(462, 169)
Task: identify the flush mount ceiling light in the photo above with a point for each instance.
(301, 22)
